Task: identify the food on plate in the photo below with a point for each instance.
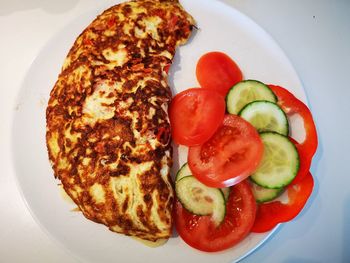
(245, 92)
(201, 232)
(280, 162)
(185, 171)
(195, 114)
(266, 116)
(231, 155)
(217, 71)
(200, 199)
(306, 149)
(108, 131)
(274, 212)
(265, 172)
(263, 194)
(276, 182)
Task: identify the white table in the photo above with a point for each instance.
(315, 36)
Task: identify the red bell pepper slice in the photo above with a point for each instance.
(306, 149)
(304, 162)
(272, 213)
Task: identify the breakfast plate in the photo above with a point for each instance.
(220, 28)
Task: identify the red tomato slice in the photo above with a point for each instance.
(217, 71)
(195, 115)
(291, 105)
(272, 213)
(229, 156)
(201, 233)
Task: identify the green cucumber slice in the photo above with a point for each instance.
(245, 92)
(263, 194)
(183, 172)
(266, 116)
(280, 162)
(200, 199)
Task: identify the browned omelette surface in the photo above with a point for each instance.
(108, 132)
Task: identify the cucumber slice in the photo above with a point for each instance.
(266, 116)
(200, 199)
(245, 92)
(280, 162)
(263, 194)
(183, 172)
(226, 192)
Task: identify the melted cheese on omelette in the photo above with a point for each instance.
(108, 131)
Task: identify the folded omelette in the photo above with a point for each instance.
(108, 131)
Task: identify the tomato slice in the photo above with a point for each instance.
(272, 213)
(306, 149)
(195, 114)
(229, 156)
(217, 71)
(200, 232)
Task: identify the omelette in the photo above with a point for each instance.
(107, 125)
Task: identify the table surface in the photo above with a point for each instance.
(315, 35)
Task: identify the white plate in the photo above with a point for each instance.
(220, 28)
